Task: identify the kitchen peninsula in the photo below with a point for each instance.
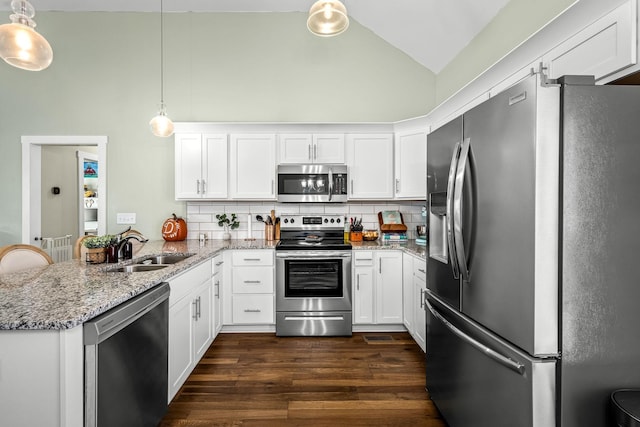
(43, 310)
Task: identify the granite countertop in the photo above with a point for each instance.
(67, 294)
(409, 246)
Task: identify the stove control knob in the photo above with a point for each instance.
(332, 220)
(338, 220)
(286, 220)
(292, 220)
(326, 220)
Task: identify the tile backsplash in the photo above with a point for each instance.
(201, 216)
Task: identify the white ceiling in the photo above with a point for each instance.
(432, 32)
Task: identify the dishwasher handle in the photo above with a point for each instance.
(106, 325)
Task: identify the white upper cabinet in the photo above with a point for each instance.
(604, 47)
(200, 166)
(411, 165)
(370, 161)
(311, 148)
(253, 166)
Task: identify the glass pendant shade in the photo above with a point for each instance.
(20, 45)
(328, 18)
(161, 125)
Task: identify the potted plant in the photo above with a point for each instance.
(97, 247)
(228, 223)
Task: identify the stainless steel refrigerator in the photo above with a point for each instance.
(533, 287)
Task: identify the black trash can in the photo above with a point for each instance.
(626, 407)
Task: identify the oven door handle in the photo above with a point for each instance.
(313, 255)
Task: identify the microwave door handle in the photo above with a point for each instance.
(330, 184)
(449, 211)
(457, 209)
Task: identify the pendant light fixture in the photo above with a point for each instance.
(328, 18)
(161, 125)
(20, 45)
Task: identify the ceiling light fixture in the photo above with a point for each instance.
(161, 125)
(20, 45)
(328, 18)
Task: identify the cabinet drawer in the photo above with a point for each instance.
(253, 280)
(261, 257)
(362, 258)
(253, 309)
(189, 280)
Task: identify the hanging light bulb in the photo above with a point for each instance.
(20, 45)
(328, 18)
(161, 125)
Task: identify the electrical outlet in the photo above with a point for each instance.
(126, 218)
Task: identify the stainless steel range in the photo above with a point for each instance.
(313, 277)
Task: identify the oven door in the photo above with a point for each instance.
(313, 280)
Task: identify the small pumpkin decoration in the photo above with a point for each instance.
(174, 229)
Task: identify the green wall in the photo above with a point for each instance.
(514, 24)
(104, 80)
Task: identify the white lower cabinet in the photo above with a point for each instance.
(217, 277)
(190, 322)
(419, 313)
(415, 285)
(249, 297)
(377, 287)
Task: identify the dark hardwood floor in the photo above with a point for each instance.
(263, 380)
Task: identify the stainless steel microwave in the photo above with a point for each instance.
(312, 183)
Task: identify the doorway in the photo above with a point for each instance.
(31, 180)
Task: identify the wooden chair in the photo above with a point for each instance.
(22, 257)
(79, 251)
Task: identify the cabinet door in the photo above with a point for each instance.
(420, 316)
(295, 148)
(370, 160)
(188, 166)
(328, 148)
(181, 357)
(363, 295)
(253, 167)
(602, 48)
(407, 292)
(202, 328)
(217, 304)
(389, 287)
(411, 165)
(214, 169)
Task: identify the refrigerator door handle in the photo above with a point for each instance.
(501, 359)
(457, 210)
(451, 180)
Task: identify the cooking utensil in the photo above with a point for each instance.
(259, 218)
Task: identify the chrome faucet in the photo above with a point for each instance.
(122, 244)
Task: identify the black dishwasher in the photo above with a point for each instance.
(126, 362)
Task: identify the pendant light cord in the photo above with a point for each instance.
(161, 55)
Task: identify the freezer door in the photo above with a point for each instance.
(442, 149)
(476, 379)
(513, 171)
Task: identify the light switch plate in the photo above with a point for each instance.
(126, 218)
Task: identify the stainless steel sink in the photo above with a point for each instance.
(163, 259)
(137, 268)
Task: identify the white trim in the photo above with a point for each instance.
(31, 142)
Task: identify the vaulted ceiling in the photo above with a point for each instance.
(432, 32)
